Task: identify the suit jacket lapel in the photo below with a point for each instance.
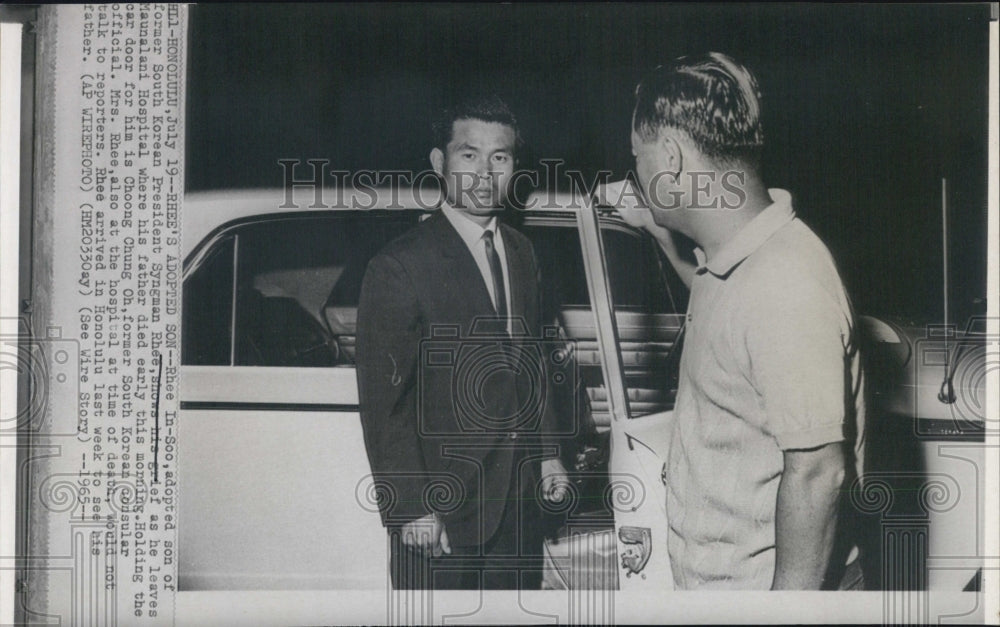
(463, 267)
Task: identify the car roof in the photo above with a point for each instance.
(203, 212)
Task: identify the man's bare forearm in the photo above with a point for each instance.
(806, 516)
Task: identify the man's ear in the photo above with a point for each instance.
(673, 154)
(437, 161)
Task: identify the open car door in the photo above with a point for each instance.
(639, 347)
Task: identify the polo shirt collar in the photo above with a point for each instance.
(470, 232)
(753, 234)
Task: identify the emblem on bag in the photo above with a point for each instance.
(638, 543)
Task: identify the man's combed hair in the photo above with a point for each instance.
(487, 108)
(711, 98)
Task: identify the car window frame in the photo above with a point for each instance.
(602, 306)
(231, 229)
(590, 223)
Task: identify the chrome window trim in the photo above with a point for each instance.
(595, 265)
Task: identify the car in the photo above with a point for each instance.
(276, 484)
(273, 449)
(925, 466)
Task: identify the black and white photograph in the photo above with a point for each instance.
(535, 313)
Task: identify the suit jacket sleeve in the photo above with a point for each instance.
(389, 333)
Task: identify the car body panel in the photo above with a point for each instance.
(208, 212)
(926, 354)
(925, 468)
(259, 515)
(638, 453)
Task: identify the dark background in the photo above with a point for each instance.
(866, 108)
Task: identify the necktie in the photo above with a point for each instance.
(499, 293)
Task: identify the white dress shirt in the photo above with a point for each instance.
(472, 234)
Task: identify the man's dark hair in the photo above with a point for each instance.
(711, 98)
(487, 108)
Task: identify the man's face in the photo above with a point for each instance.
(477, 165)
(655, 169)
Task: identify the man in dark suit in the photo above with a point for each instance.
(458, 428)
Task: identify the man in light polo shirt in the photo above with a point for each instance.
(769, 407)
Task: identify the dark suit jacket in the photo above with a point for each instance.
(439, 409)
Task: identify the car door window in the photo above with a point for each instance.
(649, 300)
(207, 318)
(649, 303)
(566, 304)
(284, 292)
(641, 278)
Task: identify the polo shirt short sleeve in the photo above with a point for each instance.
(796, 342)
